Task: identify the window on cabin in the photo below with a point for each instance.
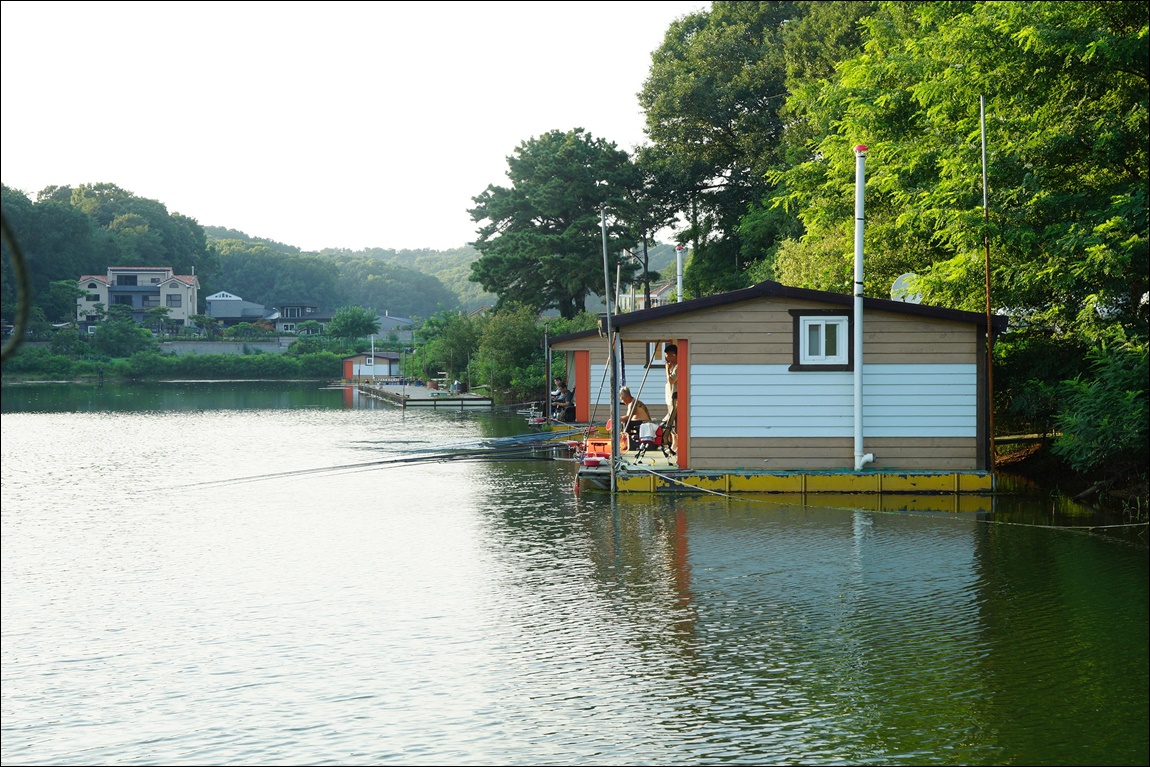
(175, 300)
(821, 340)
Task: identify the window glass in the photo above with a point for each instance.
(814, 348)
(823, 340)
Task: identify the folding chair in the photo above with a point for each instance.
(650, 435)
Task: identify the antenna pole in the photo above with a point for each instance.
(986, 250)
(611, 349)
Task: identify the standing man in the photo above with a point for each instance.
(671, 360)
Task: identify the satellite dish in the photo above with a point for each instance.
(903, 289)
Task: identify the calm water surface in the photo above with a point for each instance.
(186, 580)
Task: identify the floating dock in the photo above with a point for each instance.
(659, 477)
(653, 471)
(409, 395)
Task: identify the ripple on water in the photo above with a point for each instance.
(159, 607)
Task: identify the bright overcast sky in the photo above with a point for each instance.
(333, 124)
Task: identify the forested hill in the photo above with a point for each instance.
(414, 283)
(363, 270)
(450, 267)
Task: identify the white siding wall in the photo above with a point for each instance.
(652, 392)
(771, 401)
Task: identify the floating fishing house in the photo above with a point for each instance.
(769, 400)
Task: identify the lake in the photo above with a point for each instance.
(283, 573)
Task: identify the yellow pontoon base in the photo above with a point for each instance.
(640, 479)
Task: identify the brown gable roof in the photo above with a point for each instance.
(772, 289)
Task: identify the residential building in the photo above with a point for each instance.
(288, 317)
(141, 288)
(230, 310)
(401, 326)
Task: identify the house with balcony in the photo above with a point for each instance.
(141, 288)
(289, 316)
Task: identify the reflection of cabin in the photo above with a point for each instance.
(230, 310)
(141, 288)
(766, 380)
(369, 367)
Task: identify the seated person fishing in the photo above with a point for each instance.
(634, 413)
(563, 404)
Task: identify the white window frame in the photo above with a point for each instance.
(839, 326)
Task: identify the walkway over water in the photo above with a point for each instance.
(407, 395)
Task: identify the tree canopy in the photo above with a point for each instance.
(353, 322)
(540, 238)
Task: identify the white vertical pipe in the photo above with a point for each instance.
(861, 458)
(679, 272)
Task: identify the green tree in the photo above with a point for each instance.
(540, 239)
(59, 244)
(247, 330)
(72, 232)
(1067, 119)
(447, 341)
(383, 285)
(60, 302)
(268, 276)
(712, 102)
(452, 268)
(120, 336)
(510, 357)
(353, 322)
(209, 325)
(158, 318)
(69, 342)
(309, 328)
(1104, 426)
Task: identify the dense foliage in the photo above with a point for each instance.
(48, 364)
(541, 238)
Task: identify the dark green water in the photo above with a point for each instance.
(253, 573)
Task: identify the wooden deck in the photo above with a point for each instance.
(407, 395)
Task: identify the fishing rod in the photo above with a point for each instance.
(521, 447)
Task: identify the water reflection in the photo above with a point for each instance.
(160, 604)
(168, 396)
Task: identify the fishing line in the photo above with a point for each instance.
(518, 447)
